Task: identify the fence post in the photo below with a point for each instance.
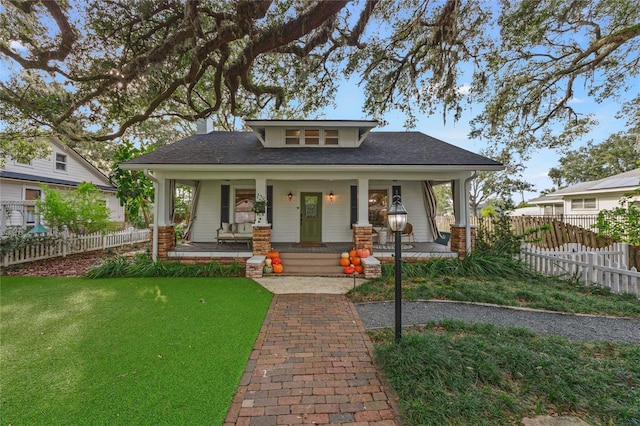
(104, 241)
(591, 270)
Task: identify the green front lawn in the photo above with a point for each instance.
(125, 351)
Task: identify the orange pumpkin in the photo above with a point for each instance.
(273, 253)
(355, 261)
(359, 269)
(348, 270)
(363, 252)
(353, 253)
(344, 261)
(278, 269)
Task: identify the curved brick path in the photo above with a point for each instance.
(311, 364)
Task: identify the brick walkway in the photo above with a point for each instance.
(312, 363)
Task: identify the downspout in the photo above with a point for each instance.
(467, 208)
(154, 246)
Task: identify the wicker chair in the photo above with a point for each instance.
(408, 232)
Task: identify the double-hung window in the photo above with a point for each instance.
(61, 162)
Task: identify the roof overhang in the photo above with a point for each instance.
(397, 168)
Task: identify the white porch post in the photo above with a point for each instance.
(261, 190)
(460, 196)
(363, 202)
(163, 200)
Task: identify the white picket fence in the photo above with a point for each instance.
(72, 244)
(604, 267)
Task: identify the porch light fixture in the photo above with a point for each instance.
(397, 216)
(290, 196)
(331, 196)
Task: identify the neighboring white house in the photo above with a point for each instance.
(63, 169)
(323, 179)
(588, 198)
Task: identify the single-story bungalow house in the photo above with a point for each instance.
(326, 183)
(588, 198)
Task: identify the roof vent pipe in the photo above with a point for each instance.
(204, 126)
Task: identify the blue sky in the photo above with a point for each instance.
(350, 99)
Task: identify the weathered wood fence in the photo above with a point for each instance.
(71, 244)
(602, 267)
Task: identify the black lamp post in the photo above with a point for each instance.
(397, 216)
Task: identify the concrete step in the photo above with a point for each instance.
(312, 264)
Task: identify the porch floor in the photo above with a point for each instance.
(231, 249)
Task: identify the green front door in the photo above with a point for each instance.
(310, 217)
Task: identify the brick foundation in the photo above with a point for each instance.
(459, 240)
(261, 239)
(166, 240)
(362, 237)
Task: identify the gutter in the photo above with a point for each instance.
(154, 245)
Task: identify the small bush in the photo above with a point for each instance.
(142, 266)
(476, 265)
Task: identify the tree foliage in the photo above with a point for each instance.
(501, 185)
(622, 223)
(134, 189)
(81, 209)
(616, 155)
(98, 69)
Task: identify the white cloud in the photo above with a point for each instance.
(15, 45)
(465, 89)
(574, 100)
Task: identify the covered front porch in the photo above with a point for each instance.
(205, 252)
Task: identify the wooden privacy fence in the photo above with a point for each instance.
(602, 267)
(71, 244)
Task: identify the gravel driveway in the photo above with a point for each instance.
(573, 327)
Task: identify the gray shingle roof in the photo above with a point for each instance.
(379, 148)
(33, 178)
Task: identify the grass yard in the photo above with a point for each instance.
(452, 373)
(538, 293)
(125, 351)
(449, 372)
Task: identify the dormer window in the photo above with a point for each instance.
(292, 137)
(61, 162)
(331, 136)
(311, 137)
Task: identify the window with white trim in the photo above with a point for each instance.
(61, 162)
(292, 137)
(311, 137)
(243, 211)
(31, 195)
(583, 204)
(331, 136)
(378, 204)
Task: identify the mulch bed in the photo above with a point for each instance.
(71, 266)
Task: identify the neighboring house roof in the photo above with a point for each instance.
(621, 182)
(379, 148)
(33, 178)
(88, 165)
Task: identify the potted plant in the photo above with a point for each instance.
(259, 208)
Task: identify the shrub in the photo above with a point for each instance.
(142, 266)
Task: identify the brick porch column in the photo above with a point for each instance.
(459, 240)
(166, 240)
(362, 237)
(261, 239)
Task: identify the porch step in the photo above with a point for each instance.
(312, 264)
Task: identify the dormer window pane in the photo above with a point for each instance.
(331, 137)
(312, 137)
(292, 137)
